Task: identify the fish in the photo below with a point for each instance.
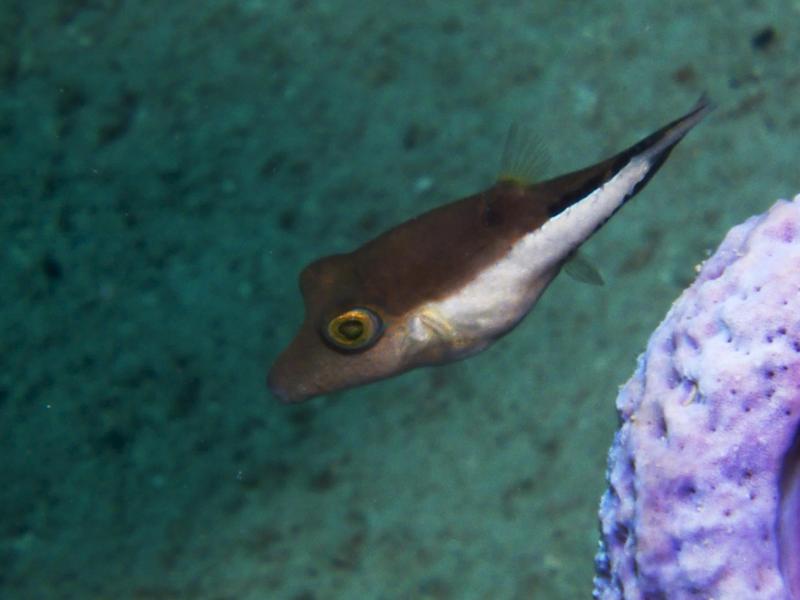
(448, 283)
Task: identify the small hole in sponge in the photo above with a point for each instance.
(620, 533)
(686, 488)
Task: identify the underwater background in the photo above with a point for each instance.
(167, 168)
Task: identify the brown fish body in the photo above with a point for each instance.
(447, 283)
(480, 229)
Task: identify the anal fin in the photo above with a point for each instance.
(580, 268)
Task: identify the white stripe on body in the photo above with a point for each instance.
(501, 294)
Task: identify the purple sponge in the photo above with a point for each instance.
(704, 473)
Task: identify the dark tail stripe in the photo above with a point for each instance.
(615, 164)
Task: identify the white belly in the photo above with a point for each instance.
(499, 296)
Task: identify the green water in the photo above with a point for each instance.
(166, 169)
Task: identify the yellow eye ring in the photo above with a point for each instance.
(354, 329)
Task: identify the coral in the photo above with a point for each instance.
(704, 472)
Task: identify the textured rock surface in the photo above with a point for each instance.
(703, 472)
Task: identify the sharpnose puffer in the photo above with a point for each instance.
(448, 283)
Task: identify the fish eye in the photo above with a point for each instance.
(354, 329)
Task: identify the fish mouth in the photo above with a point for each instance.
(285, 391)
(280, 391)
(789, 519)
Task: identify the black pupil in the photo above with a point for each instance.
(352, 329)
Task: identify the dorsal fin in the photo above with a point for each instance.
(525, 160)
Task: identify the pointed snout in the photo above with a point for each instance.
(309, 367)
(281, 390)
(291, 378)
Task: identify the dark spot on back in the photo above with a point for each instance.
(491, 216)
